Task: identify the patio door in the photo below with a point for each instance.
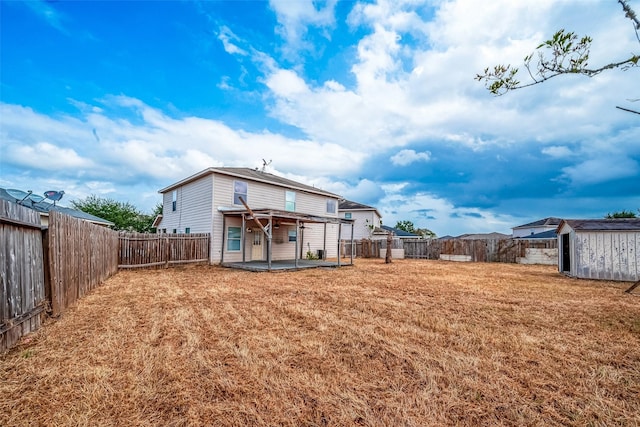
(257, 249)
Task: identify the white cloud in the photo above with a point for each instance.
(601, 169)
(47, 12)
(437, 214)
(405, 157)
(557, 151)
(46, 156)
(296, 17)
(229, 39)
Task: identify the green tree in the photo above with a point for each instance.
(406, 226)
(563, 53)
(125, 216)
(425, 233)
(622, 214)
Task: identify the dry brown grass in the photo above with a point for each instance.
(413, 343)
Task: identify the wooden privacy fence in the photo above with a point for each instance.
(81, 256)
(475, 250)
(138, 250)
(22, 286)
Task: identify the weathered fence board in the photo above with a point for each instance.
(22, 293)
(475, 250)
(138, 250)
(81, 256)
(478, 250)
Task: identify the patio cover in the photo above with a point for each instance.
(272, 216)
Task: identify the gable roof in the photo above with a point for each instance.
(541, 223)
(44, 208)
(252, 175)
(348, 205)
(613, 224)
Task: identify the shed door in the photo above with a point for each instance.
(566, 254)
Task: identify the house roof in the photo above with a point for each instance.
(613, 224)
(549, 234)
(398, 232)
(348, 205)
(45, 207)
(284, 215)
(253, 175)
(541, 223)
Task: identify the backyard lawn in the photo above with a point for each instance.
(412, 343)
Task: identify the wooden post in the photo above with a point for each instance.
(387, 258)
(635, 285)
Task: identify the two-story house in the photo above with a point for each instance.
(253, 215)
(365, 218)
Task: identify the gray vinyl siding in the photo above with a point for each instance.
(360, 225)
(265, 196)
(194, 207)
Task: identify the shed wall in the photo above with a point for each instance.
(609, 255)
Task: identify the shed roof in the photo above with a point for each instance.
(253, 175)
(613, 224)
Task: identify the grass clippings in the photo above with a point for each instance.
(412, 343)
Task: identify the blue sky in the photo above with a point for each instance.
(373, 100)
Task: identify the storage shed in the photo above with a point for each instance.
(606, 249)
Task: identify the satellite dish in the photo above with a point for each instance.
(54, 195)
(18, 194)
(35, 198)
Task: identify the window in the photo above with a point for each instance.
(347, 215)
(175, 231)
(290, 201)
(187, 230)
(233, 238)
(239, 190)
(331, 206)
(164, 230)
(292, 235)
(174, 200)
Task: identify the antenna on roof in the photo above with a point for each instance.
(265, 164)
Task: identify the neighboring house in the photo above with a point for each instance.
(294, 218)
(534, 229)
(365, 220)
(39, 204)
(384, 230)
(600, 248)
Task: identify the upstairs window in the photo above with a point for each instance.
(331, 206)
(174, 200)
(347, 215)
(239, 190)
(290, 201)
